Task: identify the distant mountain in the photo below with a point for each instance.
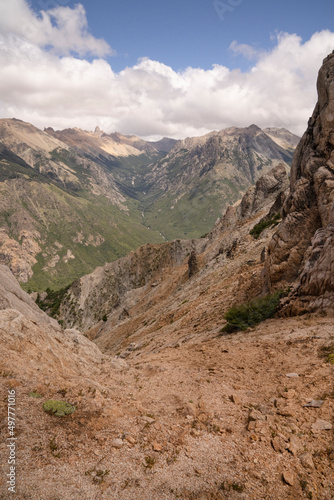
(165, 144)
(190, 187)
(72, 200)
(283, 137)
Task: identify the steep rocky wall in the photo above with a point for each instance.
(95, 295)
(301, 251)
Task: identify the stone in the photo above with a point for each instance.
(119, 364)
(255, 415)
(295, 445)
(149, 420)
(314, 404)
(307, 461)
(321, 425)
(156, 447)
(279, 444)
(192, 264)
(235, 399)
(117, 443)
(292, 375)
(191, 409)
(290, 394)
(203, 417)
(130, 439)
(289, 478)
(287, 411)
(12, 383)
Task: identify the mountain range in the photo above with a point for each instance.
(72, 200)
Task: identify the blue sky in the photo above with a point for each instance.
(158, 69)
(197, 33)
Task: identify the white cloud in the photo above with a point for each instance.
(245, 50)
(150, 98)
(62, 28)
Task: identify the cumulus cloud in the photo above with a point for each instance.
(63, 29)
(55, 88)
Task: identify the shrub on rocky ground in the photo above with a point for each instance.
(252, 313)
(262, 225)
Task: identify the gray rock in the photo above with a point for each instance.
(321, 425)
(118, 364)
(295, 445)
(314, 404)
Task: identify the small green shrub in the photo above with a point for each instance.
(238, 487)
(252, 313)
(52, 301)
(34, 394)
(330, 359)
(327, 353)
(149, 462)
(58, 408)
(261, 226)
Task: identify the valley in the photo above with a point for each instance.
(82, 199)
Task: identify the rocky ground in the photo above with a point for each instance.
(209, 418)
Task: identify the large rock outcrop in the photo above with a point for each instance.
(33, 344)
(301, 251)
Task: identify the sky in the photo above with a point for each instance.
(153, 69)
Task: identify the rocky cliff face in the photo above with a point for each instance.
(32, 342)
(96, 295)
(301, 251)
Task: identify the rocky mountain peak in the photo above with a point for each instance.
(98, 131)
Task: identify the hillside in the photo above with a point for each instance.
(62, 212)
(72, 200)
